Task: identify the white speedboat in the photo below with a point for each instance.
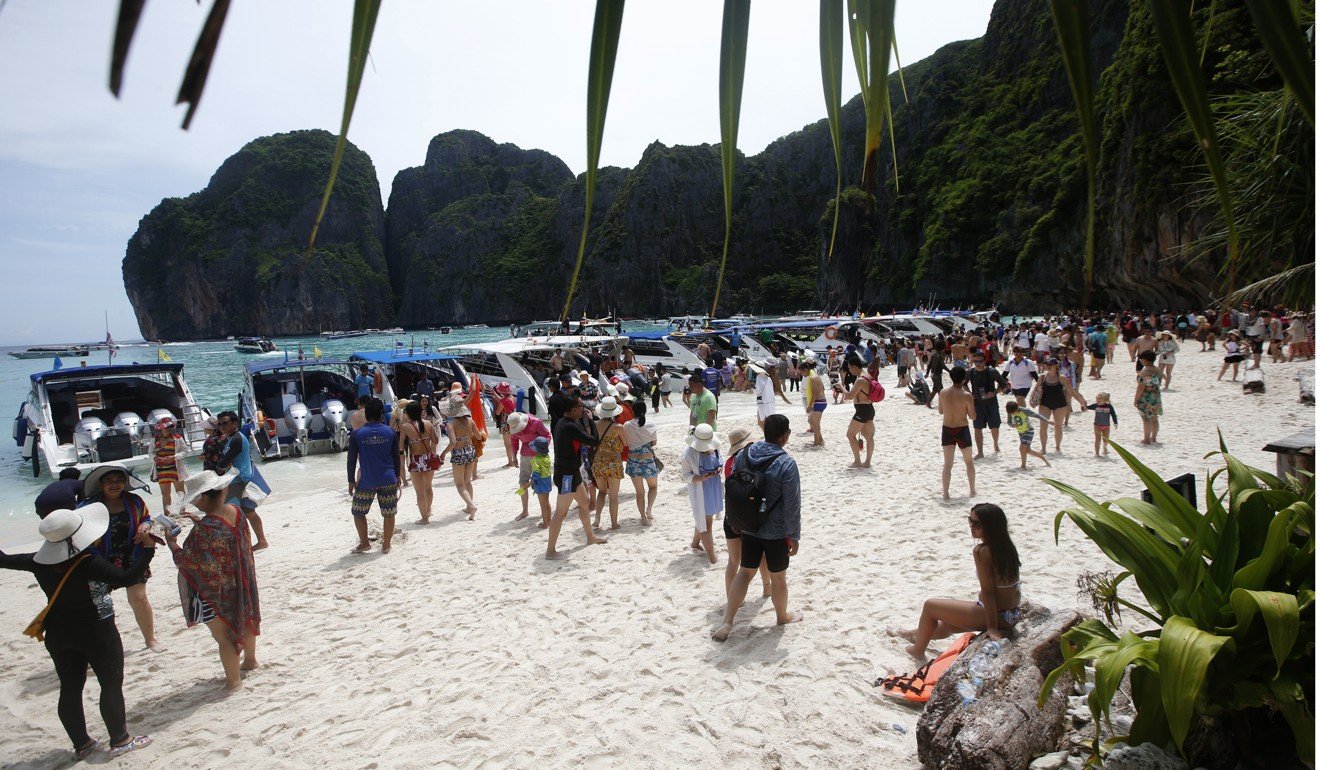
(52, 351)
(660, 348)
(402, 370)
(296, 408)
(524, 362)
(254, 345)
(83, 416)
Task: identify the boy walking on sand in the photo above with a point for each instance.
(1017, 418)
(957, 407)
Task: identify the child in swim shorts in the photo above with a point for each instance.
(542, 473)
(1104, 416)
(1018, 418)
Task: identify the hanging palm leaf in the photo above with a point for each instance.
(600, 75)
(831, 76)
(1280, 33)
(1073, 26)
(199, 66)
(871, 24)
(364, 25)
(733, 61)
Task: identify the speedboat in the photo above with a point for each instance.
(402, 370)
(661, 348)
(344, 335)
(600, 327)
(444, 329)
(296, 408)
(524, 362)
(254, 345)
(51, 351)
(83, 416)
(395, 330)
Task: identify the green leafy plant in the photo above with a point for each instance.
(1231, 597)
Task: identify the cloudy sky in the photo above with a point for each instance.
(79, 169)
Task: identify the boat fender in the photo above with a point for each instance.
(271, 429)
(831, 333)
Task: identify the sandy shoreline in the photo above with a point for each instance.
(464, 648)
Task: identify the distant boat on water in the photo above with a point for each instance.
(346, 335)
(51, 351)
(254, 345)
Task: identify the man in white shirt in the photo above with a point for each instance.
(1042, 346)
(1021, 374)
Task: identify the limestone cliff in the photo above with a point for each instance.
(231, 259)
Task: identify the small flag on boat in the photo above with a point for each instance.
(58, 363)
(316, 351)
(398, 343)
(110, 344)
(161, 355)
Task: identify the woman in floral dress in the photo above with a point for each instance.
(1148, 401)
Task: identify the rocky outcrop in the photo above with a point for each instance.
(1002, 728)
(232, 260)
(989, 205)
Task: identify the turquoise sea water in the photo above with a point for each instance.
(214, 371)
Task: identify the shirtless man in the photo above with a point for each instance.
(959, 352)
(957, 407)
(861, 428)
(1143, 343)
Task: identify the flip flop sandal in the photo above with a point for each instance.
(138, 742)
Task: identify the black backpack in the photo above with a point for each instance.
(744, 496)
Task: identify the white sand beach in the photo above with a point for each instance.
(463, 647)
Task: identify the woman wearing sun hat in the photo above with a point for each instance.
(701, 469)
(126, 536)
(217, 577)
(80, 624)
(503, 407)
(607, 460)
(461, 449)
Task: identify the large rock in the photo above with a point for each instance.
(1002, 729)
(232, 259)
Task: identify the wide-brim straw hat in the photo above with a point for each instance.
(518, 421)
(608, 408)
(740, 437)
(200, 483)
(622, 388)
(703, 438)
(455, 406)
(503, 388)
(92, 481)
(70, 532)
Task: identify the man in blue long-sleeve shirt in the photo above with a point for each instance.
(778, 539)
(375, 449)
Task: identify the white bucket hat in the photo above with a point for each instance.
(517, 421)
(205, 481)
(740, 437)
(703, 438)
(69, 533)
(91, 483)
(608, 408)
(622, 389)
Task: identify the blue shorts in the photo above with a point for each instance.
(541, 485)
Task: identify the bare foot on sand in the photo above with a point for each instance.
(521, 516)
(902, 633)
(792, 617)
(362, 548)
(249, 665)
(385, 548)
(155, 646)
(597, 541)
(615, 525)
(261, 545)
(914, 652)
(553, 555)
(472, 516)
(722, 633)
(541, 525)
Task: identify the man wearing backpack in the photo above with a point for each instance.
(771, 496)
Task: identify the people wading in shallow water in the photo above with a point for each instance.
(861, 428)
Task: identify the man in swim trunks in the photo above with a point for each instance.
(985, 384)
(956, 406)
(375, 446)
(569, 437)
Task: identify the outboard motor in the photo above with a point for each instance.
(85, 435)
(129, 423)
(335, 416)
(156, 415)
(299, 418)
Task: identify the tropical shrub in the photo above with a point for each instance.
(1231, 598)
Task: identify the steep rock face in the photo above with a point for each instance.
(230, 260)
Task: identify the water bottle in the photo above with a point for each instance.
(992, 648)
(967, 691)
(168, 524)
(979, 666)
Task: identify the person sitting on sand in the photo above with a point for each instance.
(80, 625)
(217, 577)
(568, 438)
(957, 407)
(777, 540)
(374, 445)
(701, 469)
(997, 570)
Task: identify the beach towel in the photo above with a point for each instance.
(918, 687)
(215, 564)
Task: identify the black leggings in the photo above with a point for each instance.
(102, 649)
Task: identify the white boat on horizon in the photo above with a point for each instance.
(51, 351)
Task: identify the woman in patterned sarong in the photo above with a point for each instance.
(217, 577)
